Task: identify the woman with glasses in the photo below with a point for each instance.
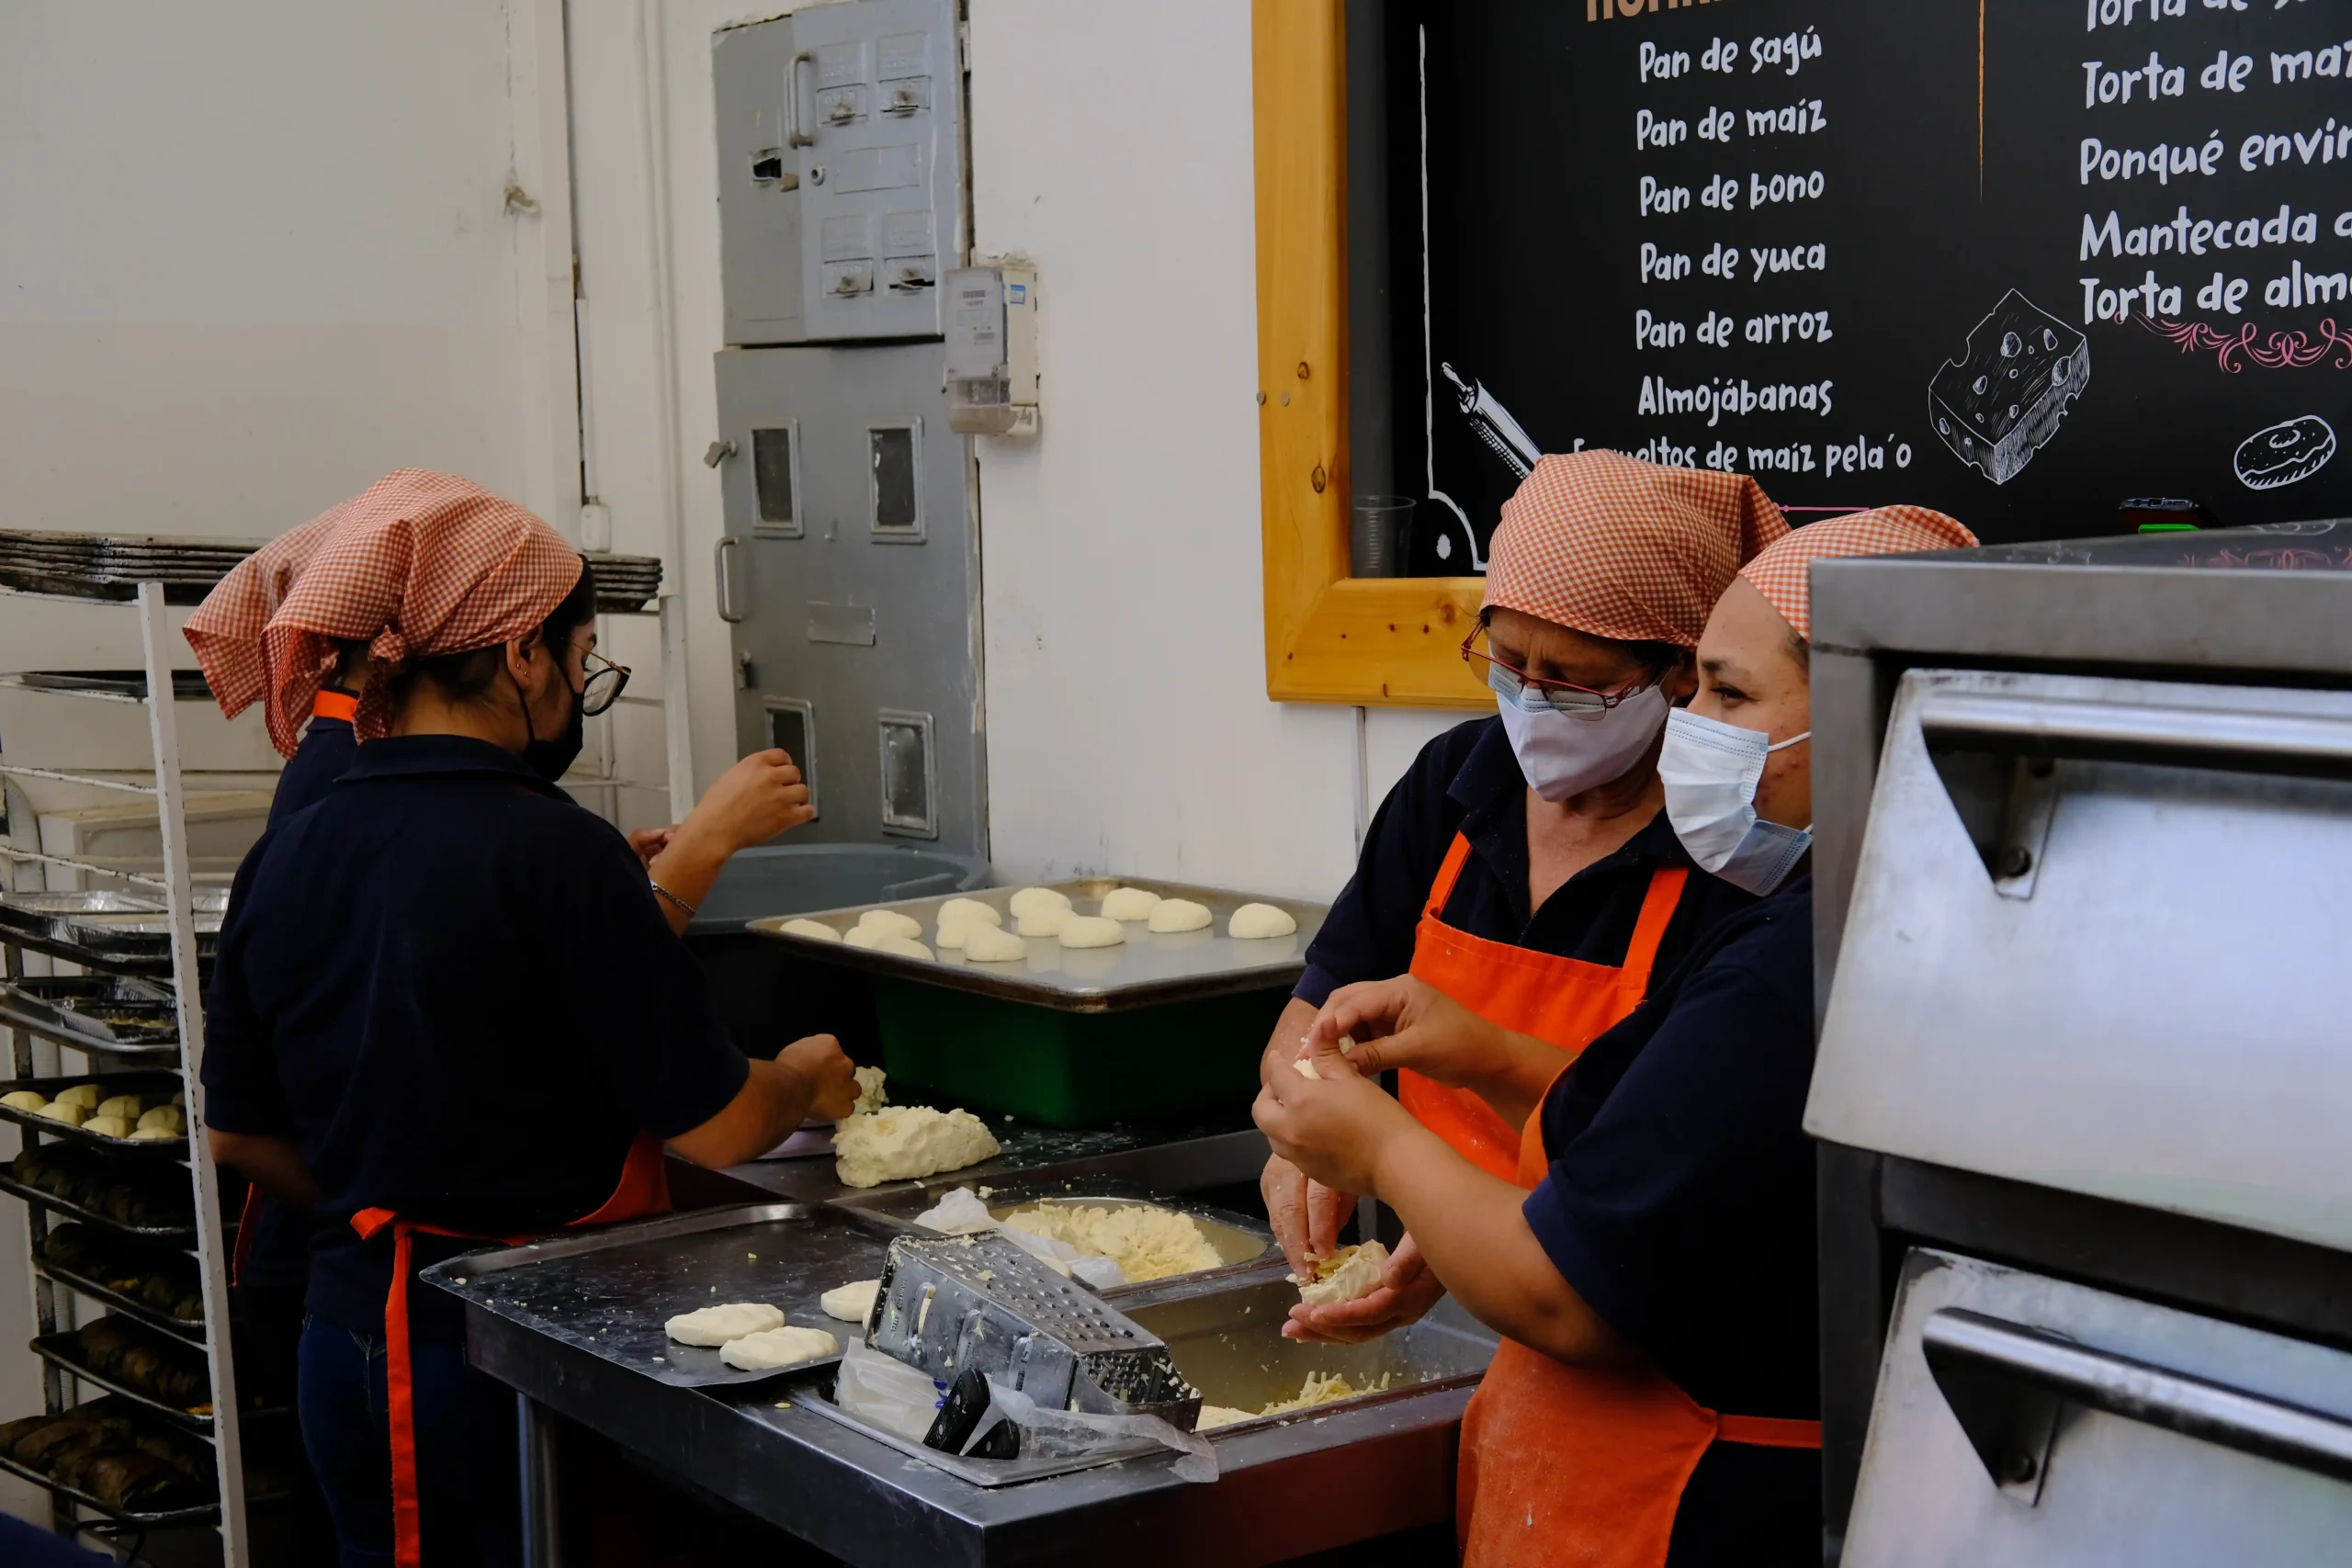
(1656, 1402)
(1523, 867)
(446, 1005)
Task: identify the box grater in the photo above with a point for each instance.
(951, 1305)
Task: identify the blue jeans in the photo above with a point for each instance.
(465, 1451)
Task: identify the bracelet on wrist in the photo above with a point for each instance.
(671, 898)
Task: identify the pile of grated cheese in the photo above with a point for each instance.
(1145, 1243)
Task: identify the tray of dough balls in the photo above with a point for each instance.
(131, 1111)
(699, 1300)
(1088, 944)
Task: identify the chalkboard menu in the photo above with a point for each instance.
(2018, 260)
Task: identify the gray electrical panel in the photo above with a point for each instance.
(840, 171)
(850, 571)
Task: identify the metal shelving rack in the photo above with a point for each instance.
(178, 888)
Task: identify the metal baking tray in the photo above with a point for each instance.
(39, 1198)
(202, 1513)
(114, 1300)
(104, 928)
(1149, 969)
(1240, 1241)
(610, 1292)
(64, 1350)
(122, 685)
(150, 1086)
(124, 1017)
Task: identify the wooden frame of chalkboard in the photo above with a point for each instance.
(1331, 638)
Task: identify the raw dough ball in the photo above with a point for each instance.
(179, 1100)
(778, 1348)
(904, 946)
(85, 1095)
(1037, 900)
(107, 1126)
(871, 1095)
(1256, 921)
(65, 1111)
(1146, 1243)
(968, 911)
(1305, 1068)
(891, 922)
(1128, 904)
(853, 1302)
(815, 931)
(1179, 915)
(155, 1134)
(951, 933)
(1351, 1272)
(899, 1141)
(1091, 931)
(1046, 921)
(23, 1099)
(170, 1118)
(126, 1106)
(717, 1324)
(987, 945)
(864, 936)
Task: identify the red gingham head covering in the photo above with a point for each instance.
(421, 564)
(1782, 573)
(1620, 548)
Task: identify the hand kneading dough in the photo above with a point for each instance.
(1091, 931)
(987, 945)
(853, 1302)
(900, 1142)
(107, 1126)
(1252, 922)
(968, 911)
(1129, 904)
(815, 931)
(1347, 1274)
(778, 1348)
(717, 1324)
(1037, 900)
(1047, 921)
(1179, 915)
(891, 922)
(904, 946)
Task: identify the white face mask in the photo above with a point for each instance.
(1711, 770)
(1564, 753)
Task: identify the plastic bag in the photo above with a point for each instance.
(962, 1212)
(1076, 1434)
(888, 1394)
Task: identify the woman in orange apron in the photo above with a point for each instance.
(1522, 858)
(448, 1003)
(1655, 1399)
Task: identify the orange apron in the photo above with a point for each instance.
(1585, 1465)
(1565, 1001)
(643, 1189)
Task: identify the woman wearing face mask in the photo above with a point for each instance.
(1521, 866)
(447, 1005)
(1656, 1400)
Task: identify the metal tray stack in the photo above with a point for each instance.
(625, 584)
(117, 933)
(122, 1018)
(101, 566)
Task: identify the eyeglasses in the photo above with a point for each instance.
(1532, 691)
(607, 681)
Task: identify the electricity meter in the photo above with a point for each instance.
(991, 350)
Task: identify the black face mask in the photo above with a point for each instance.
(552, 758)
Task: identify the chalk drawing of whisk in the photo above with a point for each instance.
(1493, 423)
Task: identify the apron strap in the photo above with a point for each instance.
(1449, 872)
(245, 1218)
(1768, 1431)
(334, 704)
(1649, 927)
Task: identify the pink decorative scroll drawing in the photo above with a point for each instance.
(2284, 558)
(2251, 346)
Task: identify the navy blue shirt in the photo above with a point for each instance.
(1680, 1206)
(279, 1255)
(454, 988)
(1468, 780)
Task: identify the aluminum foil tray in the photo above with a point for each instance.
(609, 1292)
(106, 930)
(1149, 969)
(129, 1019)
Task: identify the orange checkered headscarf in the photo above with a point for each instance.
(419, 565)
(1782, 573)
(1620, 548)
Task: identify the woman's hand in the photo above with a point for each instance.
(648, 843)
(1331, 1126)
(1405, 1294)
(751, 801)
(1409, 1023)
(831, 1078)
(1305, 1216)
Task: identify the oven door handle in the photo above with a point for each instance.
(2242, 741)
(1973, 1355)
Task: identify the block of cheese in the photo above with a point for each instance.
(900, 1142)
(717, 1324)
(853, 1302)
(773, 1348)
(1347, 1274)
(2004, 398)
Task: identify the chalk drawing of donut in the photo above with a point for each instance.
(2285, 453)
